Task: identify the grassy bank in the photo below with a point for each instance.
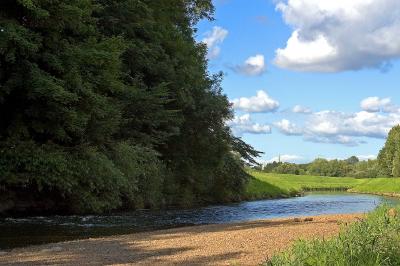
(373, 241)
(380, 186)
(266, 185)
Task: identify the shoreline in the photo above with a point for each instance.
(243, 243)
(383, 194)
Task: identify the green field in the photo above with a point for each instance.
(268, 185)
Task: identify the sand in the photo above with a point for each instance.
(245, 243)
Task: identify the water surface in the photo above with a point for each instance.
(16, 232)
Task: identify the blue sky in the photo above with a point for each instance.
(343, 76)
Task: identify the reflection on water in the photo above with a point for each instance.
(37, 230)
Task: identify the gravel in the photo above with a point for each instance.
(246, 243)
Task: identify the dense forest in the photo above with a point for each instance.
(386, 165)
(108, 104)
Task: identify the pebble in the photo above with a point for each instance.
(52, 249)
(392, 212)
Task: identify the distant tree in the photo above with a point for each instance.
(287, 168)
(365, 169)
(352, 160)
(269, 167)
(319, 167)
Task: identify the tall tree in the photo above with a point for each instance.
(108, 104)
(396, 165)
(387, 155)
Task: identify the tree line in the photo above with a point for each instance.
(108, 105)
(386, 165)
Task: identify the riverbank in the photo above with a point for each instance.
(372, 241)
(379, 186)
(246, 243)
(269, 185)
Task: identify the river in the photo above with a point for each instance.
(18, 232)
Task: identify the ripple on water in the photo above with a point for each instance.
(40, 229)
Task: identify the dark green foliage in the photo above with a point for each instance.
(144, 172)
(108, 104)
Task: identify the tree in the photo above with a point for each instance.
(109, 104)
(396, 165)
(387, 155)
(352, 160)
(365, 169)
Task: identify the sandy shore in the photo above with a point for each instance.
(247, 243)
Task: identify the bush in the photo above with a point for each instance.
(144, 174)
(373, 241)
(81, 180)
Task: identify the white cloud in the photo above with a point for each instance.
(213, 39)
(332, 36)
(298, 109)
(262, 102)
(288, 158)
(253, 66)
(288, 128)
(349, 129)
(244, 124)
(359, 124)
(376, 104)
(333, 139)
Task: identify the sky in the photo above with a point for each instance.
(308, 78)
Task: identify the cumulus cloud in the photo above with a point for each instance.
(253, 66)
(260, 103)
(359, 124)
(333, 139)
(376, 104)
(213, 39)
(333, 36)
(288, 158)
(298, 109)
(349, 129)
(288, 128)
(244, 124)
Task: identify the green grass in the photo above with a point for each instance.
(373, 241)
(379, 186)
(261, 189)
(266, 185)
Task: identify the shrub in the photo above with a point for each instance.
(373, 241)
(80, 180)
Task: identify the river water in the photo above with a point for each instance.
(18, 232)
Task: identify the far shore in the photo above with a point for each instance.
(244, 243)
(383, 194)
